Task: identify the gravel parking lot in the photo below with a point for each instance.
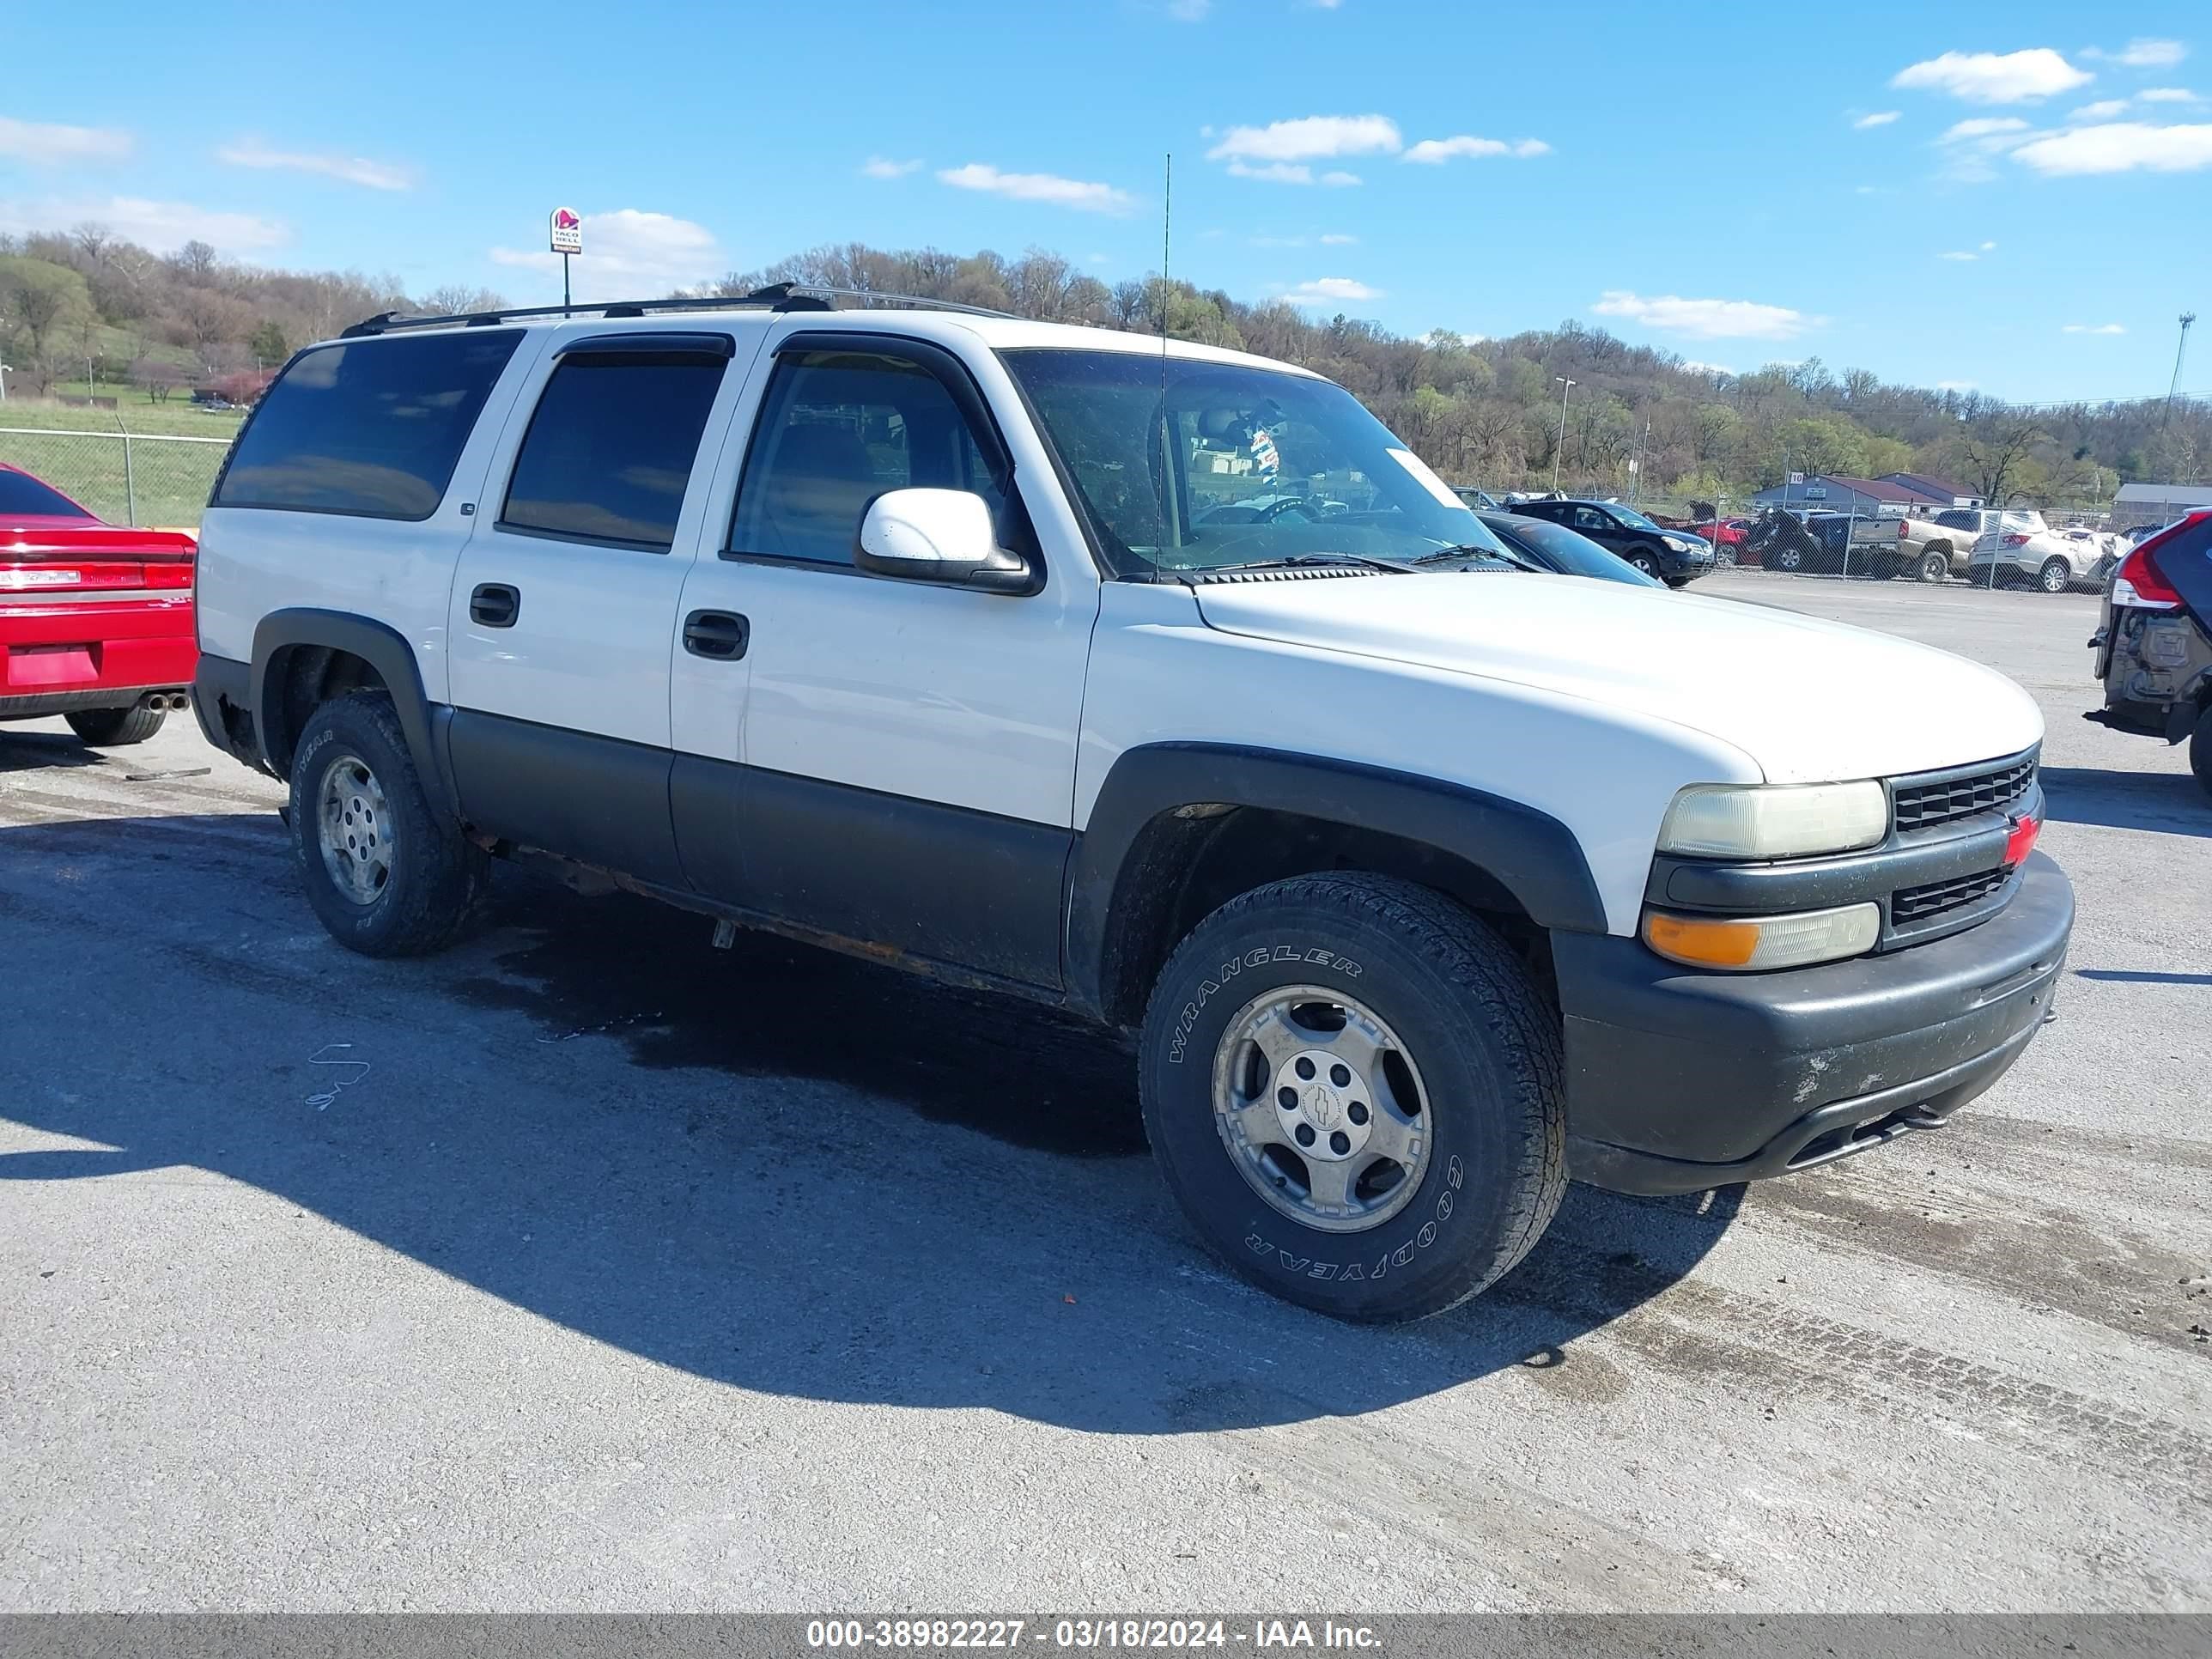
(586, 1267)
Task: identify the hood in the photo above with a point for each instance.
(1809, 701)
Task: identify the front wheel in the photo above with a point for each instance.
(389, 873)
(112, 728)
(1788, 558)
(1646, 563)
(2055, 576)
(1357, 1093)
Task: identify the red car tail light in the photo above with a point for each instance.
(2140, 582)
(2015, 539)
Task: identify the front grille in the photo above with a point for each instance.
(1922, 805)
(1919, 903)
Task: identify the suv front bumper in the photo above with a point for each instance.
(1678, 1080)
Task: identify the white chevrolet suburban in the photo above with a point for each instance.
(1424, 883)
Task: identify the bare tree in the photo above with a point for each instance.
(1994, 450)
(458, 299)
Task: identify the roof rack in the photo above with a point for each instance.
(776, 296)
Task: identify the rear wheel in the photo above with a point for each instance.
(2055, 576)
(1788, 558)
(1356, 1092)
(1934, 564)
(389, 873)
(111, 728)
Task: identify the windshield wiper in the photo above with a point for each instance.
(1469, 550)
(1293, 560)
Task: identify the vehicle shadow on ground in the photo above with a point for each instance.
(2170, 803)
(833, 1234)
(32, 751)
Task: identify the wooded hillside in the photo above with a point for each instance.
(1484, 411)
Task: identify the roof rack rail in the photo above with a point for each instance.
(777, 296)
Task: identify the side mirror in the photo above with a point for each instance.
(942, 535)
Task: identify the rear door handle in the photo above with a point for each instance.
(722, 635)
(495, 604)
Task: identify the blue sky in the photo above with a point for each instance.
(1974, 194)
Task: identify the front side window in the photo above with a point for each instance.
(839, 427)
(371, 429)
(1183, 465)
(610, 450)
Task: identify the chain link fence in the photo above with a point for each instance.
(126, 478)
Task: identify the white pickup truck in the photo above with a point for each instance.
(1421, 882)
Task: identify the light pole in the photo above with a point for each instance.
(1566, 386)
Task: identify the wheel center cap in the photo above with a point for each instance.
(1321, 1106)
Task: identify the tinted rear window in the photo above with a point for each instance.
(23, 497)
(1959, 518)
(609, 453)
(371, 427)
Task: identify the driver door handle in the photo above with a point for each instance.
(718, 636)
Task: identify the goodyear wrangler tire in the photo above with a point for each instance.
(1356, 1092)
(388, 874)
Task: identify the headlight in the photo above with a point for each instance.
(1748, 944)
(1774, 821)
(1678, 544)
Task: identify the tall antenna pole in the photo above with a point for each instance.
(2180, 351)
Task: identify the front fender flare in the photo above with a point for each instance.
(1533, 855)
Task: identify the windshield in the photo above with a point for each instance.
(1631, 516)
(1566, 550)
(1187, 466)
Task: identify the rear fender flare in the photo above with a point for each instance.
(384, 649)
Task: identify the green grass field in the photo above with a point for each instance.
(167, 481)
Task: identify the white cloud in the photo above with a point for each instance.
(1048, 188)
(1338, 239)
(1310, 138)
(351, 169)
(1435, 151)
(1968, 145)
(2167, 95)
(163, 227)
(1472, 339)
(1339, 181)
(2120, 147)
(879, 167)
(1189, 11)
(1991, 77)
(1275, 172)
(1706, 319)
(1881, 118)
(2103, 110)
(2092, 328)
(1331, 290)
(1959, 254)
(629, 253)
(1989, 247)
(1690, 365)
(47, 146)
(2146, 54)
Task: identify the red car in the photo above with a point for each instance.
(1729, 532)
(95, 619)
